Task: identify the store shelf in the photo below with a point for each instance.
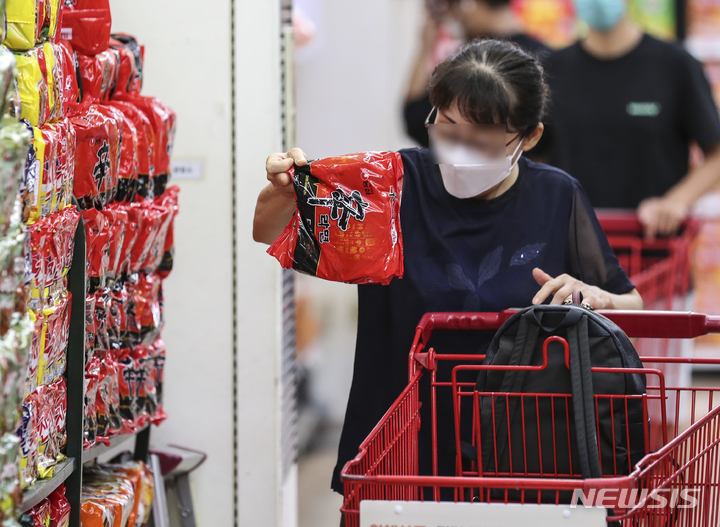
(100, 448)
(40, 490)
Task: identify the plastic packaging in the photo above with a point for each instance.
(97, 157)
(30, 22)
(130, 76)
(347, 224)
(27, 432)
(87, 27)
(59, 508)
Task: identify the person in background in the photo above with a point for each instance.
(474, 19)
(625, 109)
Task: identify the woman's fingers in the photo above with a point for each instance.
(550, 287)
(562, 294)
(278, 163)
(298, 156)
(540, 276)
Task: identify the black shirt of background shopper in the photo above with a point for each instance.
(625, 109)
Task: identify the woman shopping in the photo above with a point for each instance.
(484, 229)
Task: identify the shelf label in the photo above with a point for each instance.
(187, 170)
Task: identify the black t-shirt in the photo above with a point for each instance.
(415, 112)
(623, 127)
(465, 255)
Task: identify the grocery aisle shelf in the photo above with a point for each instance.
(42, 488)
(100, 448)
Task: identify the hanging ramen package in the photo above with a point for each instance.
(347, 224)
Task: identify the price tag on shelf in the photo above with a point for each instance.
(192, 169)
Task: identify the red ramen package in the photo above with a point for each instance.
(107, 401)
(170, 199)
(68, 64)
(347, 224)
(131, 63)
(146, 294)
(90, 327)
(41, 513)
(97, 156)
(145, 144)
(158, 355)
(87, 29)
(59, 508)
(98, 247)
(129, 161)
(98, 74)
(162, 118)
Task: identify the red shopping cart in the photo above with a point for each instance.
(685, 466)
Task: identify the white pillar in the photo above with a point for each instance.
(188, 65)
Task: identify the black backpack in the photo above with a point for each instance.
(564, 440)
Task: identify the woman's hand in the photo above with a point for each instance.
(562, 287)
(276, 203)
(277, 166)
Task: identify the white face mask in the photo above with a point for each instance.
(466, 172)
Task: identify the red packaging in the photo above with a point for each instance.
(97, 156)
(102, 338)
(131, 380)
(145, 143)
(92, 373)
(131, 63)
(68, 63)
(108, 397)
(149, 222)
(41, 513)
(62, 158)
(158, 354)
(59, 508)
(146, 294)
(45, 422)
(134, 216)
(347, 224)
(129, 161)
(88, 30)
(169, 199)
(117, 222)
(31, 382)
(38, 257)
(162, 118)
(157, 246)
(98, 247)
(99, 74)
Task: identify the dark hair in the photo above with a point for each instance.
(492, 3)
(492, 82)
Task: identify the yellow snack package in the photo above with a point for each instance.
(32, 87)
(22, 27)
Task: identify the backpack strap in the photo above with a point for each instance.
(512, 382)
(583, 399)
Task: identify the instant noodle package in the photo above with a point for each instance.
(347, 224)
(79, 143)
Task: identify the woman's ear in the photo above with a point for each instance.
(532, 139)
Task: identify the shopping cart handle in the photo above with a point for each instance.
(637, 324)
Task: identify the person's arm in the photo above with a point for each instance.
(276, 203)
(562, 287)
(417, 88)
(593, 268)
(700, 122)
(664, 215)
